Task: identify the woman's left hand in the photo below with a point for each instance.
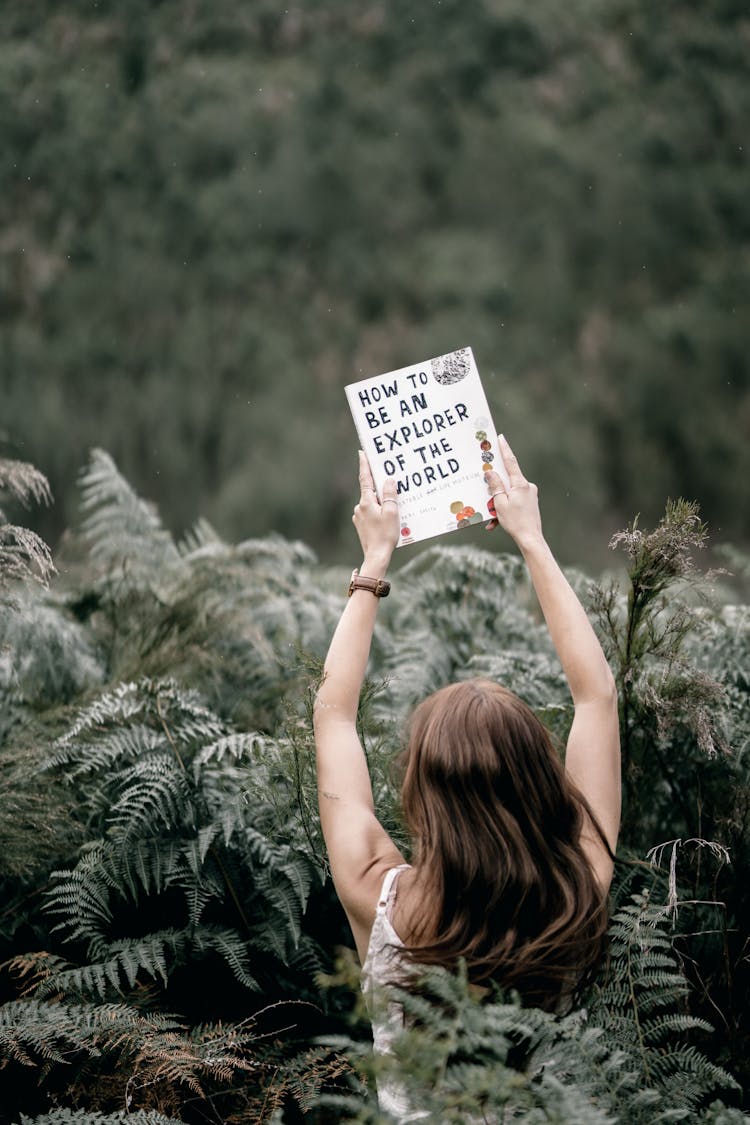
(377, 523)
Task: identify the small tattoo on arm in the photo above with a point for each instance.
(330, 796)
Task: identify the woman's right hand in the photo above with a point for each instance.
(377, 523)
(516, 508)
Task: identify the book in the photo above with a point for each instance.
(429, 426)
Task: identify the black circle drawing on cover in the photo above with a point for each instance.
(451, 368)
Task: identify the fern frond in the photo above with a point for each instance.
(123, 530)
(419, 666)
(162, 705)
(277, 556)
(249, 746)
(146, 865)
(656, 1031)
(308, 959)
(102, 753)
(53, 1032)
(199, 881)
(463, 593)
(232, 948)
(82, 897)
(286, 887)
(85, 1117)
(120, 704)
(148, 954)
(98, 979)
(23, 482)
(50, 657)
(692, 1072)
(154, 794)
(24, 556)
(127, 961)
(537, 677)
(200, 540)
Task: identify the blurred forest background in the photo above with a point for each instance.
(215, 213)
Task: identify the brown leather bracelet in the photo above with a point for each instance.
(377, 586)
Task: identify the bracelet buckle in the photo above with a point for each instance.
(377, 586)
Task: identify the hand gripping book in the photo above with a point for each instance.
(429, 426)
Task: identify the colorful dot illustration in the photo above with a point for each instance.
(464, 514)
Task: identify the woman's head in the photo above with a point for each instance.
(496, 825)
(475, 750)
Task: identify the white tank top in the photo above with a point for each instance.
(384, 964)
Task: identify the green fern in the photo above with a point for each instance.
(648, 631)
(167, 690)
(166, 788)
(83, 1117)
(636, 1006)
(127, 961)
(159, 1062)
(462, 593)
(24, 556)
(124, 532)
(226, 614)
(42, 1033)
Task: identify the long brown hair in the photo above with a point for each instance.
(496, 823)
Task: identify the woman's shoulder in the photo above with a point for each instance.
(360, 900)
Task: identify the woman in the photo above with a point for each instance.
(512, 852)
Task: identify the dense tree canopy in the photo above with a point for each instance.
(214, 214)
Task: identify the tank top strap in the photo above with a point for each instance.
(388, 890)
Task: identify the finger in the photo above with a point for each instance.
(389, 491)
(515, 476)
(494, 482)
(365, 476)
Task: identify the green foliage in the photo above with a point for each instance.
(167, 907)
(231, 615)
(81, 1117)
(627, 1058)
(23, 555)
(645, 636)
(642, 1008)
(160, 1062)
(680, 659)
(166, 815)
(166, 868)
(463, 593)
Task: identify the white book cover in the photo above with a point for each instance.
(429, 426)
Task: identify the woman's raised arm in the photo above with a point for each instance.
(592, 756)
(359, 849)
